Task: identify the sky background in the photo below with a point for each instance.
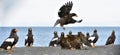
(45, 12)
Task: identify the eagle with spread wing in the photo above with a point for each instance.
(66, 16)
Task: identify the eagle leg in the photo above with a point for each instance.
(93, 46)
(13, 46)
(72, 48)
(30, 45)
(63, 27)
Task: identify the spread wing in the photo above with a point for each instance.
(65, 9)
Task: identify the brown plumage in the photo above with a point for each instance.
(75, 42)
(64, 41)
(29, 39)
(71, 36)
(84, 40)
(66, 16)
(111, 38)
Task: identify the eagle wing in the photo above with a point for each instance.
(108, 41)
(65, 9)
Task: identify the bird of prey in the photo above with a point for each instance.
(10, 41)
(29, 40)
(55, 40)
(94, 38)
(65, 16)
(111, 38)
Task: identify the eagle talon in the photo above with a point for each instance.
(73, 48)
(10, 51)
(27, 46)
(93, 46)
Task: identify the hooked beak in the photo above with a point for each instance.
(16, 30)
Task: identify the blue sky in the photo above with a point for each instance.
(44, 12)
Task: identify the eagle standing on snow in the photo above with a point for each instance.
(66, 16)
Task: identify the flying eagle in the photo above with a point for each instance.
(66, 16)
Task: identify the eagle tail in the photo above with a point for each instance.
(57, 22)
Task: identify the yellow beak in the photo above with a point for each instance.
(16, 30)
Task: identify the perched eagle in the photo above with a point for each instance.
(10, 41)
(111, 38)
(66, 16)
(55, 40)
(64, 41)
(29, 38)
(94, 38)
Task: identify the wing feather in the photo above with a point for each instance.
(65, 9)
